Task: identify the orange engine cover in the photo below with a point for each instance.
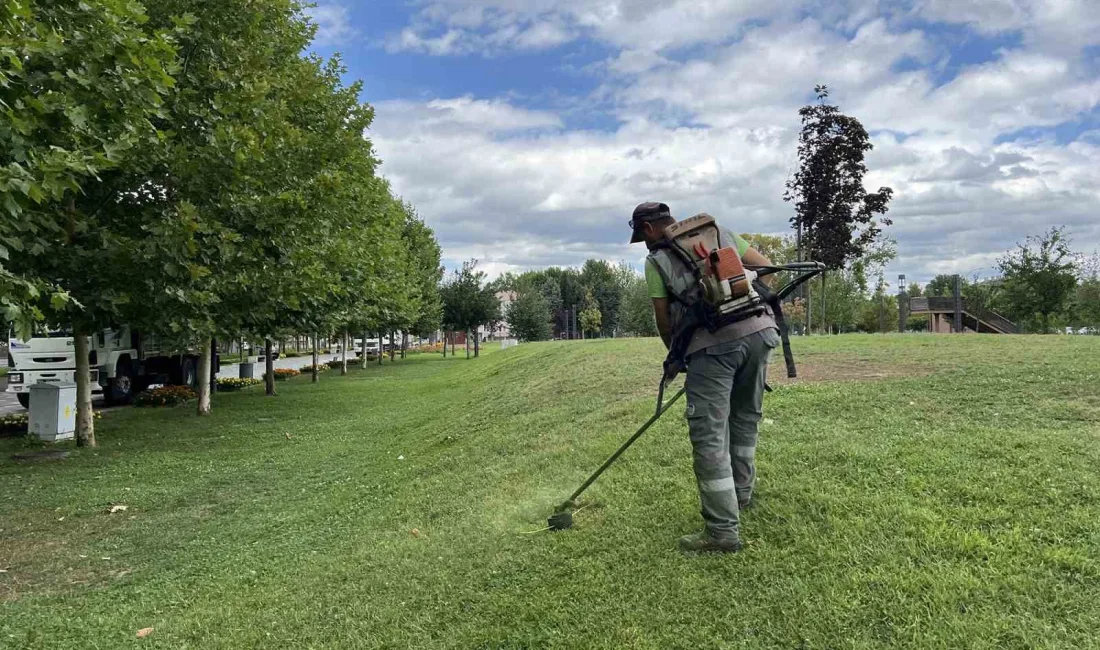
(725, 264)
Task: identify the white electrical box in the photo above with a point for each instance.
(53, 411)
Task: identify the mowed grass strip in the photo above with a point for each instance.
(915, 491)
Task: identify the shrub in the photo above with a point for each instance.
(230, 384)
(164, 396)
(321, 367)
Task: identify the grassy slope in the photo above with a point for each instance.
(957, 509)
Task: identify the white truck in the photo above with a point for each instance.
(123, 362)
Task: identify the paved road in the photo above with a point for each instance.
(231, 370)
(9, 403)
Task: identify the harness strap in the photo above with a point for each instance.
(772, 299)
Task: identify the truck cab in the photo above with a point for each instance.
(49, 357)
(122, 361)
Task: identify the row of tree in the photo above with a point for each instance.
(1042, 285)
(599, 299)
(182, 167)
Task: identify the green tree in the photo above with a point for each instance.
(80, 89)
(468, 302)
(879, 313)
(604, 281)
(1086, 300)
(943, 286)
(590, 317)
(636, 310)
(1039, 277)
(843, 299)
(529, 317)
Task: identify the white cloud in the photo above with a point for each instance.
(494, 26)
(470, 31)
(333, 24)
(714, 127)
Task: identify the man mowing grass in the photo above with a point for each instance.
(725, 377)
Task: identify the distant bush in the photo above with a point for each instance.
(321, 367)
(164, 396)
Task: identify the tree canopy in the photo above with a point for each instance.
(837, 219)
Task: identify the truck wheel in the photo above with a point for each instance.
(24, 399)
(120, 389)
(189, 375)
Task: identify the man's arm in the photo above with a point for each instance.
(658, 293)
(753, 257)
(660, 314)
(749, 255)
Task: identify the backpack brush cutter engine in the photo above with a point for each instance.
(562, 518)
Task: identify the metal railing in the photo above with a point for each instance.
(946, 305)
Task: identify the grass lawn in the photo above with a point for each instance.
(915, 491)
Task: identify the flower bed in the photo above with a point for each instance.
(14, 423)
(164, 396)
(282, 374)
(321, 367)
(231, 384)
(17, 423)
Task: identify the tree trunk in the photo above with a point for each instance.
(802, 290)
(824, 314)
(269, 367)
(381, 349)
(467, 345)
(809, 307)
(477, 342)
(205, 368)
(363, 354)
(85, 422)
(315, 374)
(344, 355)
(404, 344)
(213, 366)
(452, 343)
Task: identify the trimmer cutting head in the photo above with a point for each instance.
(562, 519)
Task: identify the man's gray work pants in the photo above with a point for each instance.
(725, 393)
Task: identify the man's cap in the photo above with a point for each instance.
(646, 212)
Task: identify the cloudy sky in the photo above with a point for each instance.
(526, 130)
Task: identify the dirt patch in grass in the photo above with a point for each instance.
(820, 368)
